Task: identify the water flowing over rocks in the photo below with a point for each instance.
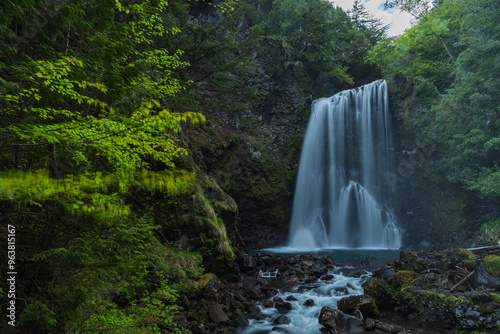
(431, 293)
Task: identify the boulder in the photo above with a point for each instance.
(282, 320)
(363, 303)
(216, 314)
(337, 321)
(309, 302)
(240, 319)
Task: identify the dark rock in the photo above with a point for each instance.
(283, 307)
(328, 277)
(385, 272)
(337, 321)
(388, 328)
(280, 330)
(364, 303)
(253, 294)
(311, 280)
(237, 305)
(197, 327)
(255, 313)
(309, 302)
(282, 320)
(226, 300)
(216, 314)
(239, 296)
(267, 303)
(291, 298)
(357, 313)
(370, 324)
(240, 319)
(278, 300)
(481, 278)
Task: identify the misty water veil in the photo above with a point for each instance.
(342, 195)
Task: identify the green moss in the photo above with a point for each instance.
(405, 278)
(466, 254)
(492, 263)
(491, 229)
(496, 296)
(204, 280)
(448, 301)
(237, 305)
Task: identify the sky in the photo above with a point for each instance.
(399, 21)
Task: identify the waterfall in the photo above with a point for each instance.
(341, 191)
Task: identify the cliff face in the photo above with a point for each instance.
(253, 156)
(434, 208)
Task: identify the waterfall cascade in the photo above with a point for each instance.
(341, 185)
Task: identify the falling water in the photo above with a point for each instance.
(341, 185)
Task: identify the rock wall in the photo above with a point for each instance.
(434, 209)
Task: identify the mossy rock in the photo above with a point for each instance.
(379, 290)
(410, 261)
(404, 279)
(492, 263)
(203, 282)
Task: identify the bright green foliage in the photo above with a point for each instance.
(87, 123)
(453, 50)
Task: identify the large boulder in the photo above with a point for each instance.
(337, 322)
(217, 314)
(364, 303)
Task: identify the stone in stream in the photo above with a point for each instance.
(337, 321)
(309, 302)
(279, 330)
(282, 320)
(283, 306)
(291, 298)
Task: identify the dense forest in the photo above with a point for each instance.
(113, 116)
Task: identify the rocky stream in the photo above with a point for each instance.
(446, 292)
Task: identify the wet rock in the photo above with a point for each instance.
(388, 328)
(239, 296)
(363, 303)
(268, 303)
(197, 327)
(216, 314)
(279, 330)
(337, 321)
(254, 312)
(370, 324)
(283, 306)
(308, 263)
(239, 319)
(309, 302)
(253, 294)
(237, 305)
(282, 320)
(481, 278)
(385, 272)
(291, 298)
(278, 300)
(357, 313)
